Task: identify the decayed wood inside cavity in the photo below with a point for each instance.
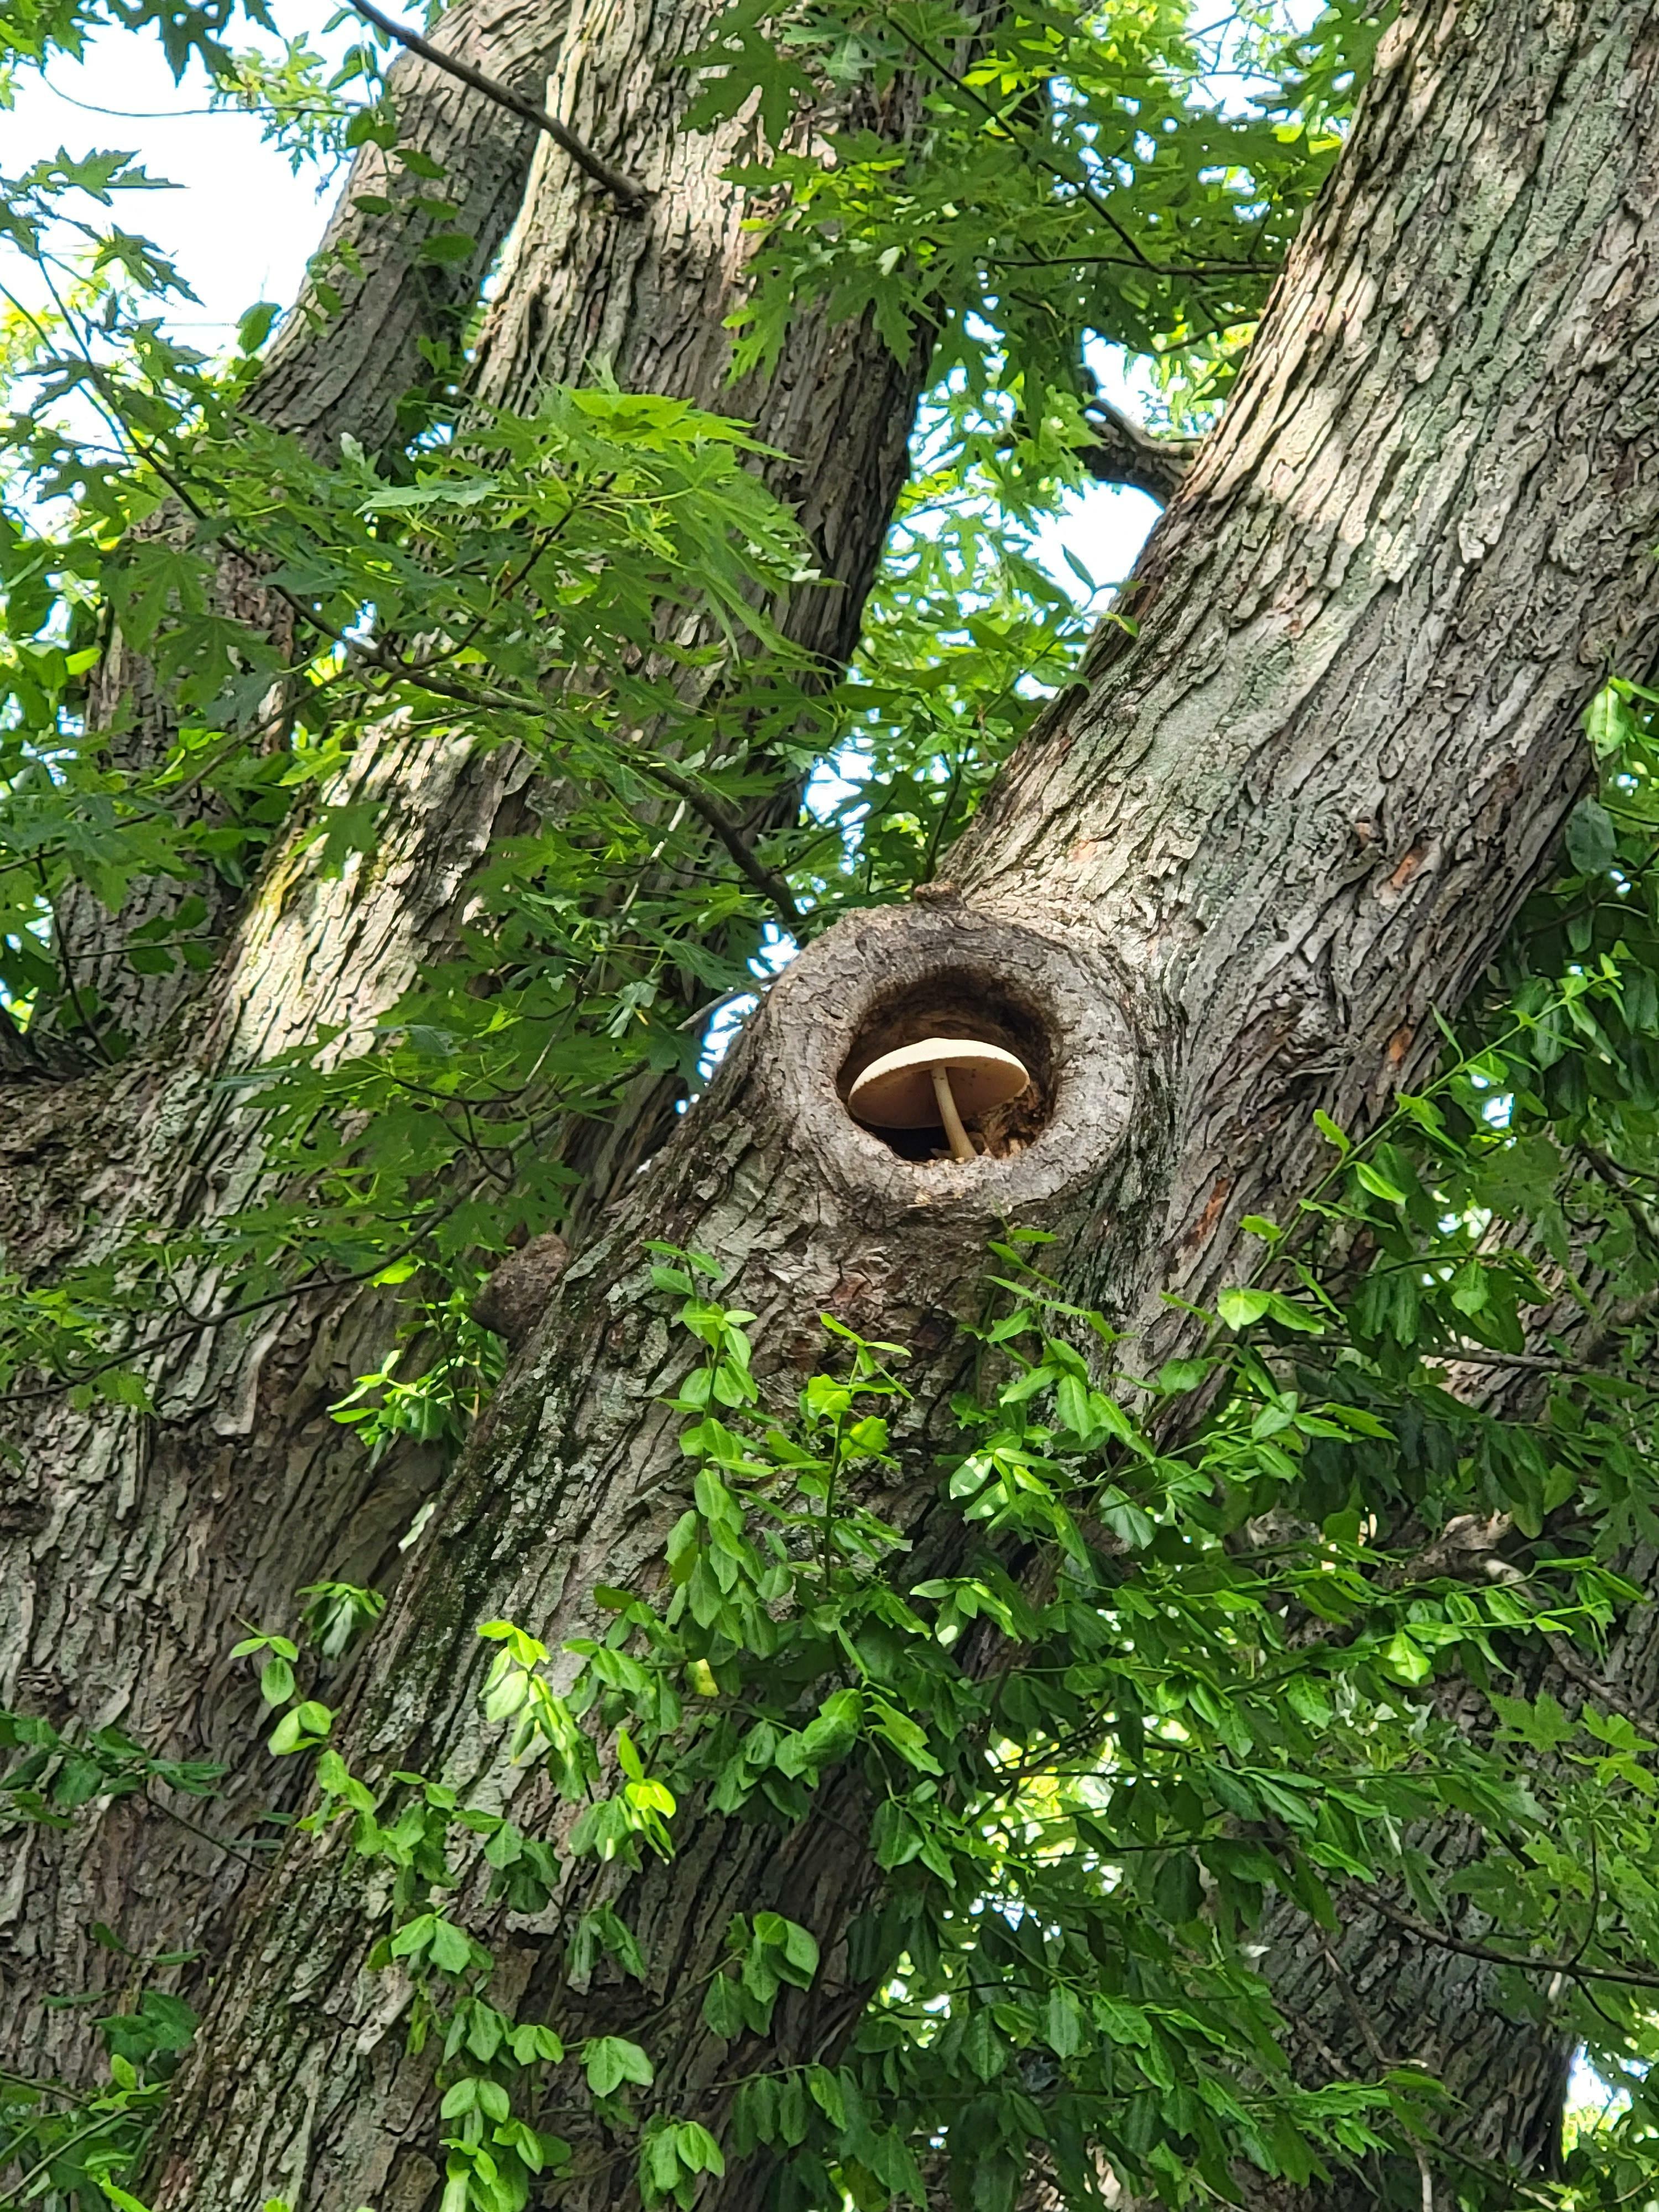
(969, 1001)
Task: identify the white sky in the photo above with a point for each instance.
(240, 223)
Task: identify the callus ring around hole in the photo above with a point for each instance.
(948, 1080)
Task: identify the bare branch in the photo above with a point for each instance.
(1569, 1968)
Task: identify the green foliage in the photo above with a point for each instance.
(1212, 1680)
(60, 1769)
(595, 588)
(549, 555)
(1083, 172)
(64, 2145)
(1207, 1684)
(71, 2148)
(1199, 1638)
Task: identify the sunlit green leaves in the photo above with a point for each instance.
(1135, 174)
(1176, 1643)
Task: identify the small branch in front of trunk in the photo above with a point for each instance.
(1124, 453)
(1570, 1968)
(1364, 2023)
(730, 832)
(767, 881)
(629, 195)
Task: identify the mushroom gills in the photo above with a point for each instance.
(948, 1080)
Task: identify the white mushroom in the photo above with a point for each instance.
(948, 1079)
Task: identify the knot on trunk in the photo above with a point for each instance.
(512, 1299)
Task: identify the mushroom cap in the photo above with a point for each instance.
(896, 1091)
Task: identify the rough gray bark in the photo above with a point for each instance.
(579, 291)
(351, 368)
(1379, 1997)
(1224, 882)
(349, 373)
(1377, 1993)
(137, 1544)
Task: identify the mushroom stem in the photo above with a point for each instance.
(961, 1145)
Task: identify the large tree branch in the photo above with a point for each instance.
(345, 361)
(1124, 453)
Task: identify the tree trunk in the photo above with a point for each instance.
(1226, 882)
(138, 1543)
(1376, 1994)
(351, 371)
(348, 362)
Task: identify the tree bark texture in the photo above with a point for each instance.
(1377, 1993)
(139, 1544)
(333, 371)
(1379, 1989)
(579, 292)
(1226, 881)
(350, 372)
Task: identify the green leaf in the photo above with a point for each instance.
(983, 2049)
(1372, 1178)
(256, 326)
(610, 2060)
(1239, 1309)
(1331, 1132)
(1592, 841)
(451, 1946)
(1063, 2026)
(446, 247)
(1406, 1660)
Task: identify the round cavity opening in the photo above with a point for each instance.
(961, 1047)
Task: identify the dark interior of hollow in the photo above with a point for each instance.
(960, 1002)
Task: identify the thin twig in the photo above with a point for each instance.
(1362, 2019)
(1367, 2029)
(998, 120)
(66, 965)
(1502, 1570)
(197, 1323)
(767, 881)
(771, 886)
(629, 195)
(1591, 1683)
(249, 1857)
(1572, 1970)
(1131, 261)
(19, 2193)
